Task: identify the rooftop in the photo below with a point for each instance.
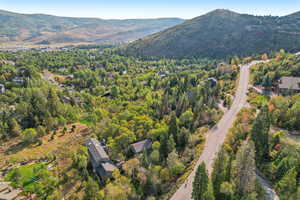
(7, 192)
(108, 166)
(140, 146)
(289, 82)
(96, 150)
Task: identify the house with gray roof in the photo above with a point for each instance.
(212, 82)
(102, 165)
(289, 85)
(140, 146)
(2, 88)
(7, 192)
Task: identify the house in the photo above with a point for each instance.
(163, 74)
(212, 82)
(2, 89)
(102, 165)
(222, 64)
(140, 146)
(18, 80)
(7, 192)
(22, 70)
(289, 85)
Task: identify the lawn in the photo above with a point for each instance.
(25, 176)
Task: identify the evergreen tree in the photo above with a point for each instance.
(173, 128)
(200, 184)
(209, 194)
(220, 172)
(14, 127)
(288, 184)
(91, 189)
(244, 168)
(163, 148)
(260, 135)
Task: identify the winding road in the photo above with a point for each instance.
(217, 134)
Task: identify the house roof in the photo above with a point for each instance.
(222, 64)
(105, 169)
(108, 166)
(96, 150)
(3, 186)
(8, 193)
(141, 145)
(289, 82)
(212, 79)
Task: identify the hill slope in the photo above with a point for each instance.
(39, 28)
(222, 33)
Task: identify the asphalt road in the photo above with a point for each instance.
(217, 134)
(270, 192)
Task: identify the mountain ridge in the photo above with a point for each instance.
(221, 33)
(35, 28)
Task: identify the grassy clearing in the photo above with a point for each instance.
(292, 139)
(51, 145)
(25, 176)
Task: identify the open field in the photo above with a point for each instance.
(12, 151)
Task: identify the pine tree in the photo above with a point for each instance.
(260, 135)
(91, 189)
(200, 184)
(244, 168)
(163, 148)
(173, 128)
(209, 194)
(288, 184)
(220, 172)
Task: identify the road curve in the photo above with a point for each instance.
(217, 134)
(270, 192)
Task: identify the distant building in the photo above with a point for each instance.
(289, 85)
(2, 89)
(222, 64)
(140, 146)
(163, 74)
(22, 70)
(18, 80)
(99, 159)
(212, 82)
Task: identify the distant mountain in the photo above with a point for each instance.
(222, 33)
(44, 29)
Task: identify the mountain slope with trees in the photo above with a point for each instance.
(45, 29)
(222, 33)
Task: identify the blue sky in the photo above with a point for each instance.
(122, 9)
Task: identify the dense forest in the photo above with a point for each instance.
(51, 96)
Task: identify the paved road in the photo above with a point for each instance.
(217, 134)
(270, 192)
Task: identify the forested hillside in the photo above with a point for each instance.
(220, 34)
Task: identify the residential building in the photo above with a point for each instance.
(18, 80)
(101, 163)
(212, 82)
(2, 89)
(140, 146)
(7, 192)
(289, 85)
